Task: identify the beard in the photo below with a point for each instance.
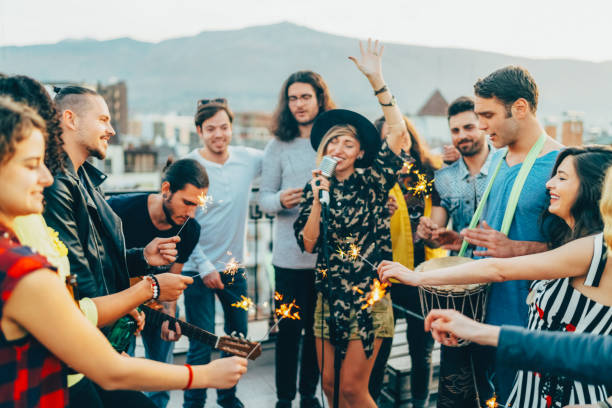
(470, 150)
(168, 212)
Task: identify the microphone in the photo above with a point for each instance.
(327, 167)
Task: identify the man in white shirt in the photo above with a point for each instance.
(231, 170)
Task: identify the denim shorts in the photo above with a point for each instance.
(382, 319)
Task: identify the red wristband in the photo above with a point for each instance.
(190, 377)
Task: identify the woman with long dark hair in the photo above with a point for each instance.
(572, 283)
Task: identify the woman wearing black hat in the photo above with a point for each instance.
(358, 191)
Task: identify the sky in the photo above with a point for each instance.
(529, 28)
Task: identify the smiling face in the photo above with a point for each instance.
(346, 149)
(495, 120)
(182, 204)
(23, 178)
(93, 126)
(466, 136)
(563, 188)
(216, 132)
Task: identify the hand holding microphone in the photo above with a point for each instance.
(320, 179)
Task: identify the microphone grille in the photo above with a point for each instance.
(328, 166)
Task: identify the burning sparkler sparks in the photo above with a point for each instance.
(285, 310)
(278, 296)
(377, 292)
(422, 186)
(323, 273)
(204, 200)
(492, 403)
(244, 303)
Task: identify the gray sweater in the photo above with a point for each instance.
(286, 165)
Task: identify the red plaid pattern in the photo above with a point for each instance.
(30, 376)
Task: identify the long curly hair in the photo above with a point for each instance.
(29, 91)
(590, 163)
(284, 126)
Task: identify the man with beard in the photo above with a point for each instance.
(461, 184)
(231, 171)
(288, 163)
(146, 216)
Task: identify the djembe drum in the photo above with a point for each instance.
(470, 300)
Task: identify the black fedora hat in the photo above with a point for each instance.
(367, 134)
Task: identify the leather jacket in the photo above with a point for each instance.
(78, 217)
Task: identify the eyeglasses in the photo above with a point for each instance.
(203, 102)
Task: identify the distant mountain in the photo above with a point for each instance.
(248, 66)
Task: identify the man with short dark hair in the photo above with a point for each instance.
(461, 184)
(506, 103)
(288, 162)
(231, 170)
(165, 214)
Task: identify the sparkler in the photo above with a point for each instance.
(323, 272)
(203, 201)
(422, 185)
(244, 303)
(285, 311)
(377, 292)
(492, 403)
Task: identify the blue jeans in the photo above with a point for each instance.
(200, 311)
(158, 350)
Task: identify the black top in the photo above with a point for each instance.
(139, 229)
(356, 206)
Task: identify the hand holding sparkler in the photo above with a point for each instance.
(395, 272)
(161, 251)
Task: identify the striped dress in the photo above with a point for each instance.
(557, 306)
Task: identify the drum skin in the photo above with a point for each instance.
(469, 299)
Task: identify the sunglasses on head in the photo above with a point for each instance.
(202, 102)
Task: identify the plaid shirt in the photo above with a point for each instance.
(30, 376)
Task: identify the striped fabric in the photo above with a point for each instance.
(30, 376)
(557, 306)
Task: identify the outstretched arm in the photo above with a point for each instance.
(570, 260)
(54, 321)
(370, 64)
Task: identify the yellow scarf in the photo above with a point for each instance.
(401, 231)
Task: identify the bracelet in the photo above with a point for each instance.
(190, 380)
(381, 90)
(391, 103)
(154, 286)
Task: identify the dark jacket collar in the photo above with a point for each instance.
(96, 176)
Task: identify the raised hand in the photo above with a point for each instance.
(370, 62)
